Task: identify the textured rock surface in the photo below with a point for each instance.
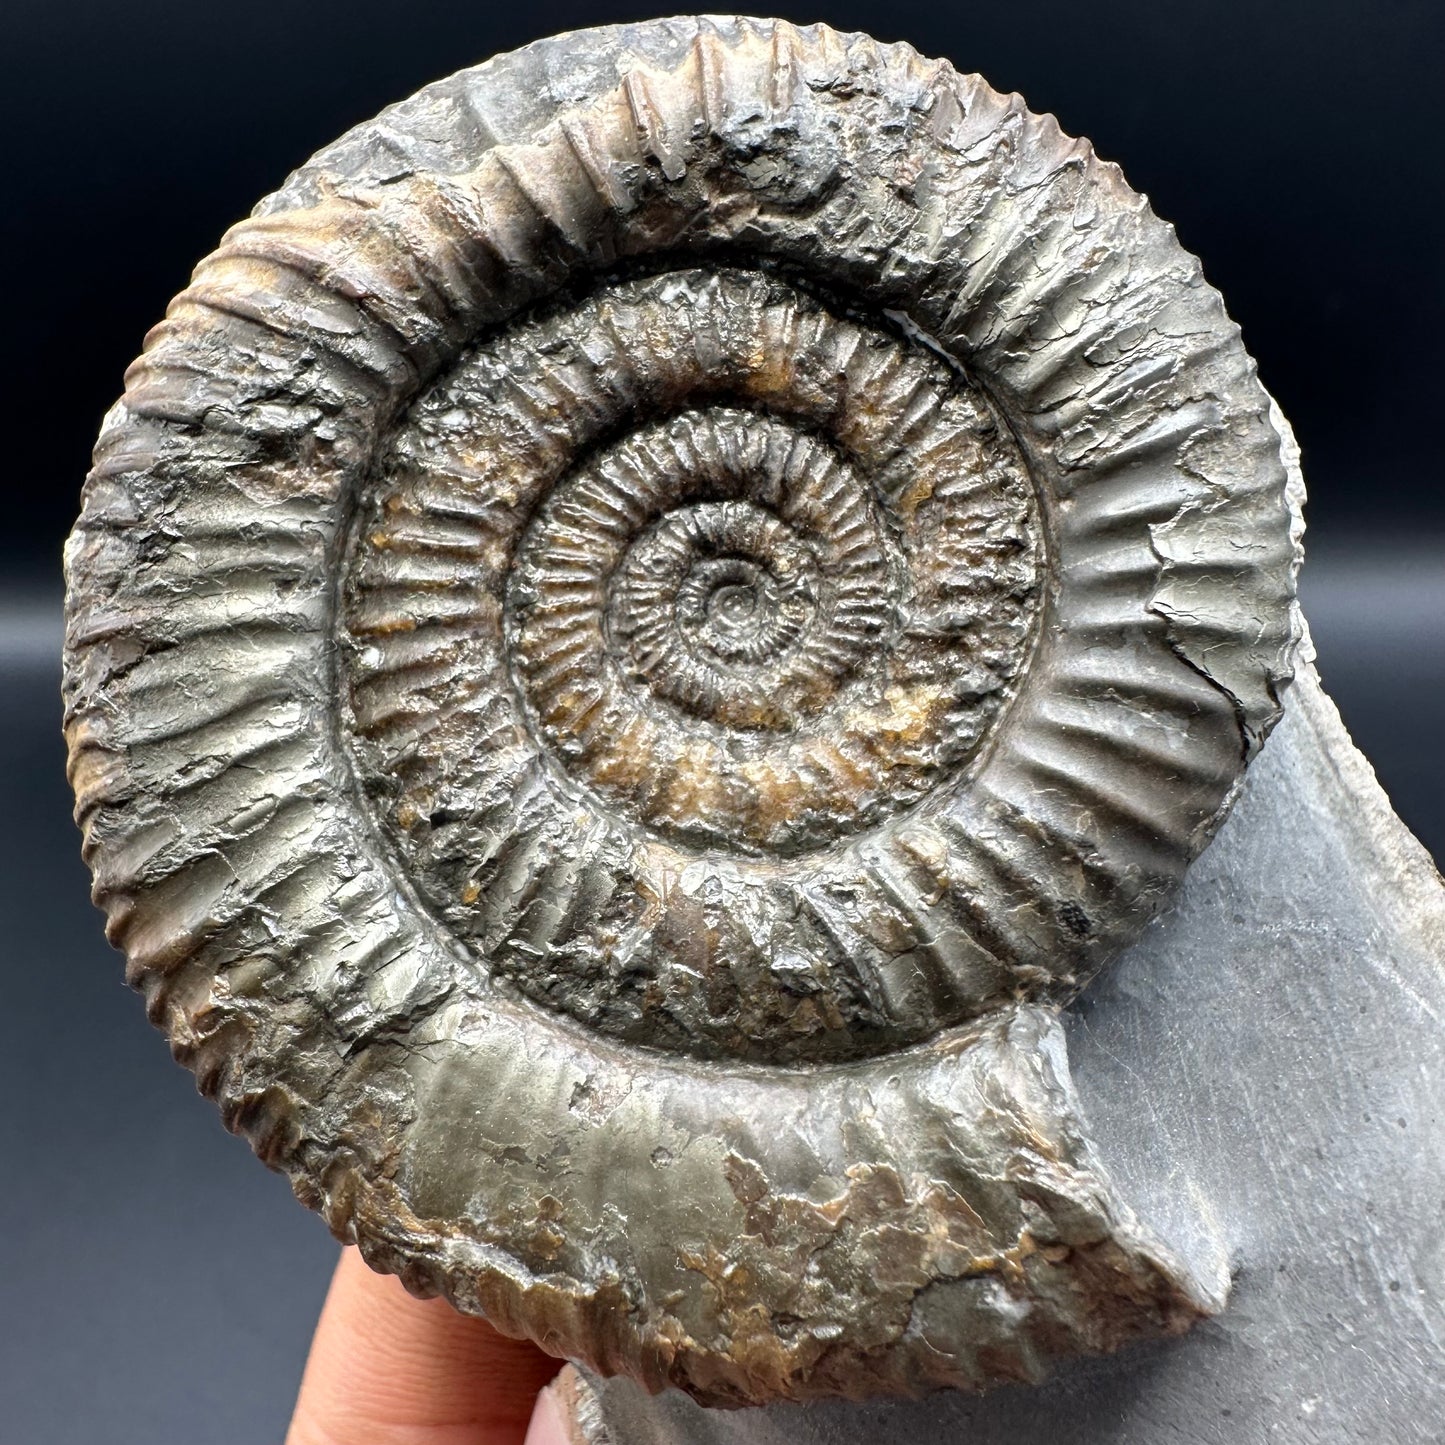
(638, 631)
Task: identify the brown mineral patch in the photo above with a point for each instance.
(778, 792)
(695, 786)
(912, 713)
(390, 626)
(914, 496)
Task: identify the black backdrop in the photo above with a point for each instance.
(155, 1283)
(1293, 142)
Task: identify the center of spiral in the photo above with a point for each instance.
(715, 585)
(732, 607)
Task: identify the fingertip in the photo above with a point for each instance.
(547, 1426)
(386, 1368)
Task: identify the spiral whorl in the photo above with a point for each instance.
(769, 590)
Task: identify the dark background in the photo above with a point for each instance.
(155, 1283)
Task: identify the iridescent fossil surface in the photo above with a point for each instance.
(638, 631)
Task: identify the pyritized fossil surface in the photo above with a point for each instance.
(638, 631)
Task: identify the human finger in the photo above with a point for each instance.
(387, 1369)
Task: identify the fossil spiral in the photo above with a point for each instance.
(637, 630)
(722, 645)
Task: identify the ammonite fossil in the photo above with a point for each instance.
(638, 630)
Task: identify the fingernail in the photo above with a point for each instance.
(546, 1426)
